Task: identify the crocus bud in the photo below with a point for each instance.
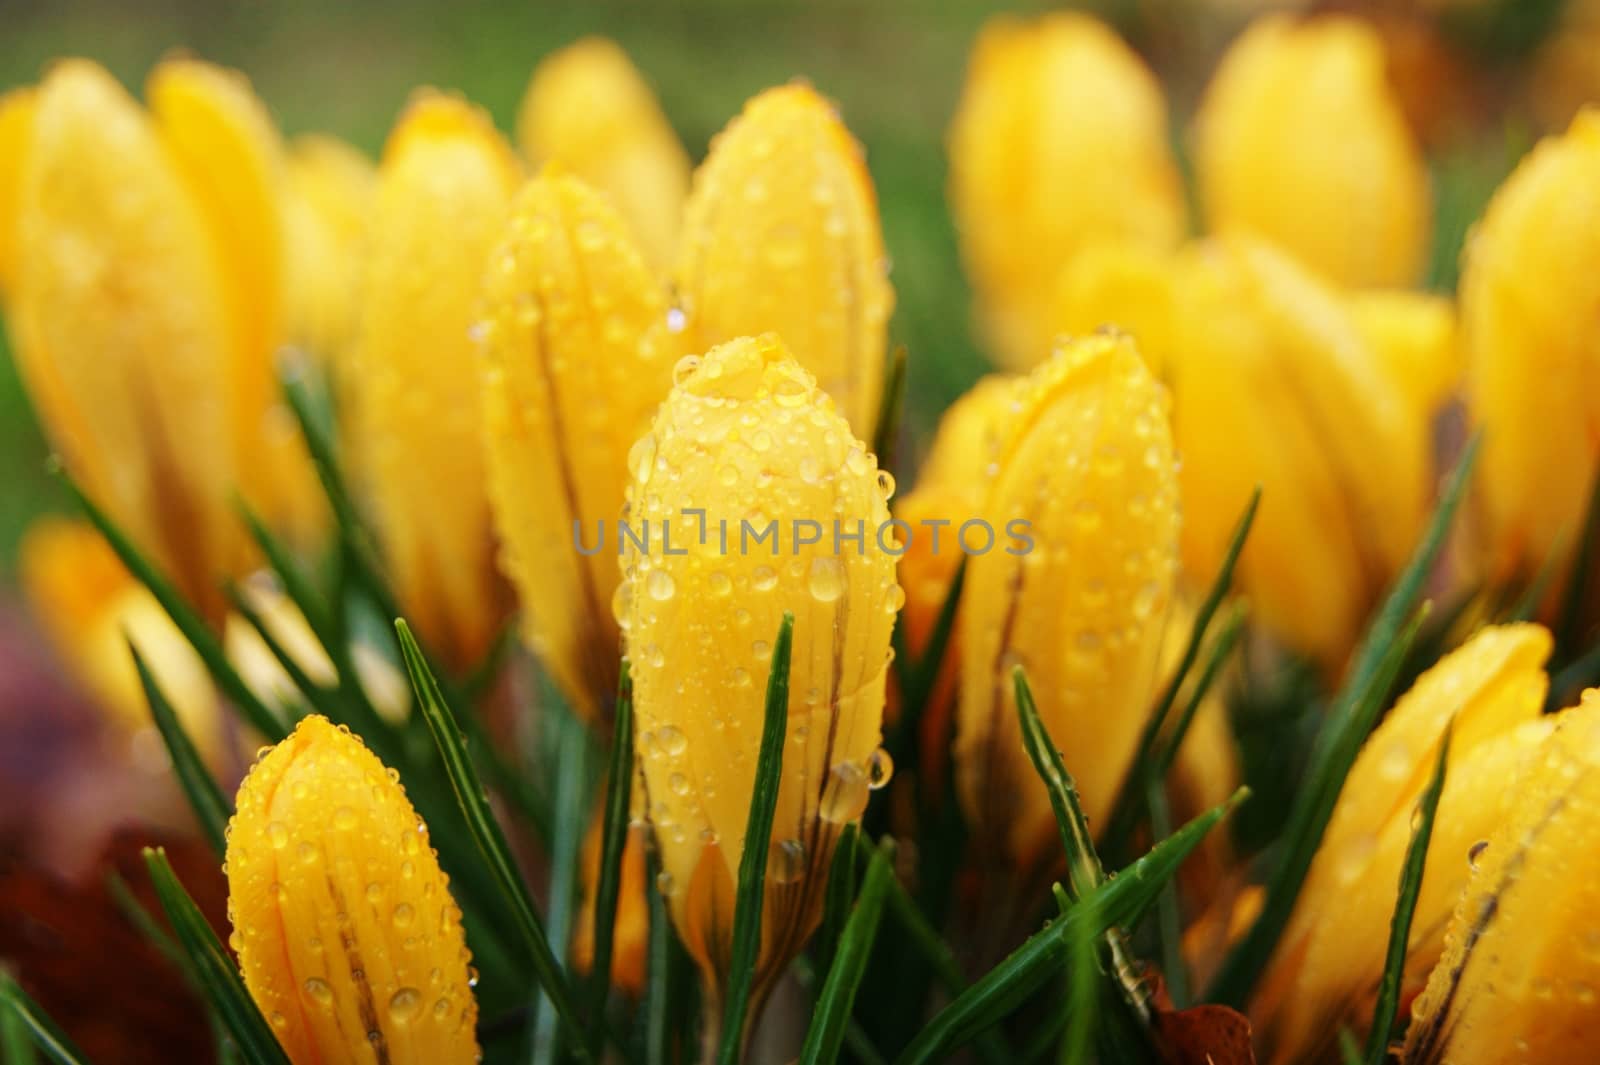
(122, 326)
(750, 442)
(327, 209)
(91, 608)
(1275, 387)
(588, 108)
(1082, 502)
(1301, 140)
(347, 936)
(781, 234)
(1060, 141)
(444, 186)
(1326, 969)
(1413, 336)
(1530, 279)
(16, 131)
(1125, 286)
(1519, 976)
(576, 359)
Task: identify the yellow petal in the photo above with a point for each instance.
(781, 234)
(255, 660)
(347, 936)
(444, 187)
(749, 437)
(1531, 271)
(327, 210)
(1079, 597)
(590, 110)
(124, 325)
(1060, 141)
(16, 131)
(91, 608)
(1275, 387)
(1328, 963)
(1519, 976)
(576, 359)
(1413, 336)
(1121, 285)
(1301, 140)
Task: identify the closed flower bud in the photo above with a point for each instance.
(91, 608)
(1301, 140)
(1413, 336)
(781, 235)
(588, 108)
(122, 324)
(327, 210)
(444, 186)
(1275, 387)
(347, 936)
(1060, 141)
(16, 130)
(1520, 973)
(576, 360)
(1328, 963)
(749, 438)
(1530, 280)
(1079, 597)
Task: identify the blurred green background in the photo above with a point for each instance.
(894, 68)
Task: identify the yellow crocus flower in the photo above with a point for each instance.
(1275, 387)
(1060, 141)
(445, 184)
(327, 212)
(1414, 336)
(1327, 965)
(576, 359)
(347, 936)
(1301, 140)
(91, 608)
(781, 234)
(1079, 597)
(1530, 288)
(1520, 974)
(16, 130)
(146, 310)
(748, 438)
(1125, 286)
(588, 108)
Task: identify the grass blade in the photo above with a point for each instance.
(613, 838)
(211, 807)
(219, 978)
(1220, 650)
(1169, 918)
(841, 896)
(1405, 907)
(188, 620)
(1373, 668)
(1124, 815)
(1121, 900)
(569, 768)
(831, 1015)
(18, 1009)
(486, 833)
(757, 839)
(669, 1008)
(890, 407)
(917, 679)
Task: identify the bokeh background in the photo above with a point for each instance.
(1481, 78)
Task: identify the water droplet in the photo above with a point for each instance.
(845, 796)
(672, 741)
(664, 883)
(642, 457)
(278, 834)
(685, 368)
(678, 784)
(344, 819)
(880, 767)
(720, 584)
(1475, 852)
(677, 321)
(403, 1004)
(403, 915)
(763, 578)
(786, 861)
(660, 585)
(319, 991)
(622, 603)
(827, 578)
(885, 483)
